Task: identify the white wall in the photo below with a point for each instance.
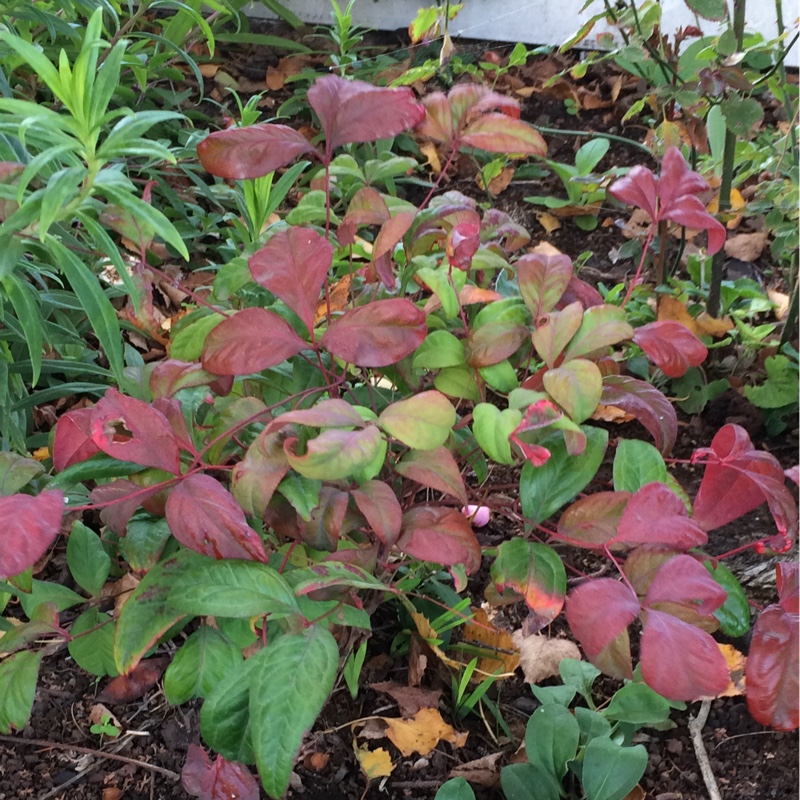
(529, 21)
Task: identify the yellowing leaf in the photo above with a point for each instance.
(703, 325)
(500, 651)
(432, 638)
(422, 732)
(614, 414)
(549, 222)
(374, 763)
(339, 295)
(736, 661)
(432, 154)
(41, 453)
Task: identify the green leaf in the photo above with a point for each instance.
(590, 155)
(527, 782)
(592, 724)
(741, 114)
(501, 377)
(93, 651)
(492, 427)
(439, 349)
(205, 658)
(637, 463)
(601, 327)
(422, 422)
(289, 688)
(544, 490)
(29, 315)
(230, 588)
(144, 542)
(187, 344)
(455, 788)
(98, 467)
(336, 453)
(576, 387)
(458, 382)
(551, 739)
(610, 771)
(561, 695)
(715, 10)
(18, 676)
(734, 613)
(580, 674)
(638, 704)
(225, 715)
(302, 493)
(47, 592)
(438, 282)
(780, 388)
(87, 559)
(16, 471)
(147, 616)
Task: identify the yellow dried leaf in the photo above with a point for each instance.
(611, 414)
(500, 182)
(339, 296)
(549, 222)
(706, 325)
(430, 636)
(703, 325)
(374, 763)
(500, 651)
(43, 453)
(737, 202)
(208, 70)
(736, 661)
(432, 154)
(422, 732)
(780, 299)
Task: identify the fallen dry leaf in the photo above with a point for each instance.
(746, 246)
(703, 325)
(208, 70)
(428, 149)
(339, 297)
(112, 793)
(430, 636)
(539, 656)
(499, 183)
(483, 771)
(501, 651)
(611, 414)
(422, 732)
(546, 249)
(736, 661)
(98, 711)
(43, 453)
(637, 793)
(374, 763)
(136, 684)
(409, 699)
(548, 221)
(780, 299)
(316, 761)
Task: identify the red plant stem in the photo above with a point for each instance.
(287, 556)
(641, 264)
(619, 569)
(738, 550)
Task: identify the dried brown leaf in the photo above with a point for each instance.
(540, 655)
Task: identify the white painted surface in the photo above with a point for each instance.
(529, 21)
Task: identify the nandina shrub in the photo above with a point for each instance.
(311, 445)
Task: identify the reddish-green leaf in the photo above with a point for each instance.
(576, 386)
(422, 422)
(135, 684)
(240, 153)
(536, 573)
(204, 517)
(647, 404)
(556, 330)
(602, 327)
(256, 477)
(331, 413)
(494, 342)
(672, 347)
(442, 535)
(335, 454)
(170, 376)
(499, 133)
(218, 781)
(131, 430)
(381, 509)
(772, 670)
(324, 526)
(436, 469)
(73, 441)
(293, 265)
(249, 341)
(592, 521)
(377, 335)
(542, 280)
(29, 526)
(123, 497)
(680, 661)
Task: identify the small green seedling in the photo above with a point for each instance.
(105, 728)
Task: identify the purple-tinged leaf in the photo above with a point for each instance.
(436, 469)
(555, 331)
(579, 291)
(366, 208)
(204, 517)
(542, 281)
(438, 122)
(788, 580)
(499, 133)
(772, 669)
(637, 188)
(248, 153)
(251, 340)
(592, 521)
(601, 327)
(691, 213)
(599, 612)
(73, 441)
(332, 413)
(539, 415)
(381, 509)
(322, 530)
(422, 422)
(576, 386)
(441, 535)
(679, 661)
(677, 180)
(170, 376)
(647, 404)
(672, 347)
(131, 430)
(738, 479)
(494, 342)
(656, 515)
(172, 410)
(134, 684)
(643, 563)
(462, 244)
(389, 236)
(335, 454)
(377, 335)
(536, 573)
(221, 780)
(355, 111)
(293, 265)
(256, 477)
(125, 497)
(30, 524)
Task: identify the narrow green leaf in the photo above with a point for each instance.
(30, 318)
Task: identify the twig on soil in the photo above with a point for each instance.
(696, 730)
(90, 752)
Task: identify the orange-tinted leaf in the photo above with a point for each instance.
(422, 732)
(543, 278)
(137, 683)
(494, 342)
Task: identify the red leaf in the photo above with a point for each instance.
(256, 477)
(366, 208)
(788, 579)
(170, 376)
(436, 469)
(462, 243)
(131, 430)
(293, 265)
(684, 581)
(381, 509)
(592, 521)
(172, 410)
(671, 346)
(598, 611)
(637, 188)
(691, 213)
(441, 535)
(249, 341)
(29, 526)
(125, 497)
(251, 152)
(203, 516)
(656, 515)
(494, 342)
(73, 441)
(324, 526)
(579, 291)
(543, 279)
(680, 661)
(137, 683)
(772, 670)
(332, 413)
(377, 335)
(221, 780)
(499, 133)
(389, 236)
(677, 179)
(645, 403)
(355, 111)
(738, 479)
(539, 415)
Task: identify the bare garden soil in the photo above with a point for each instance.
(56, 756)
